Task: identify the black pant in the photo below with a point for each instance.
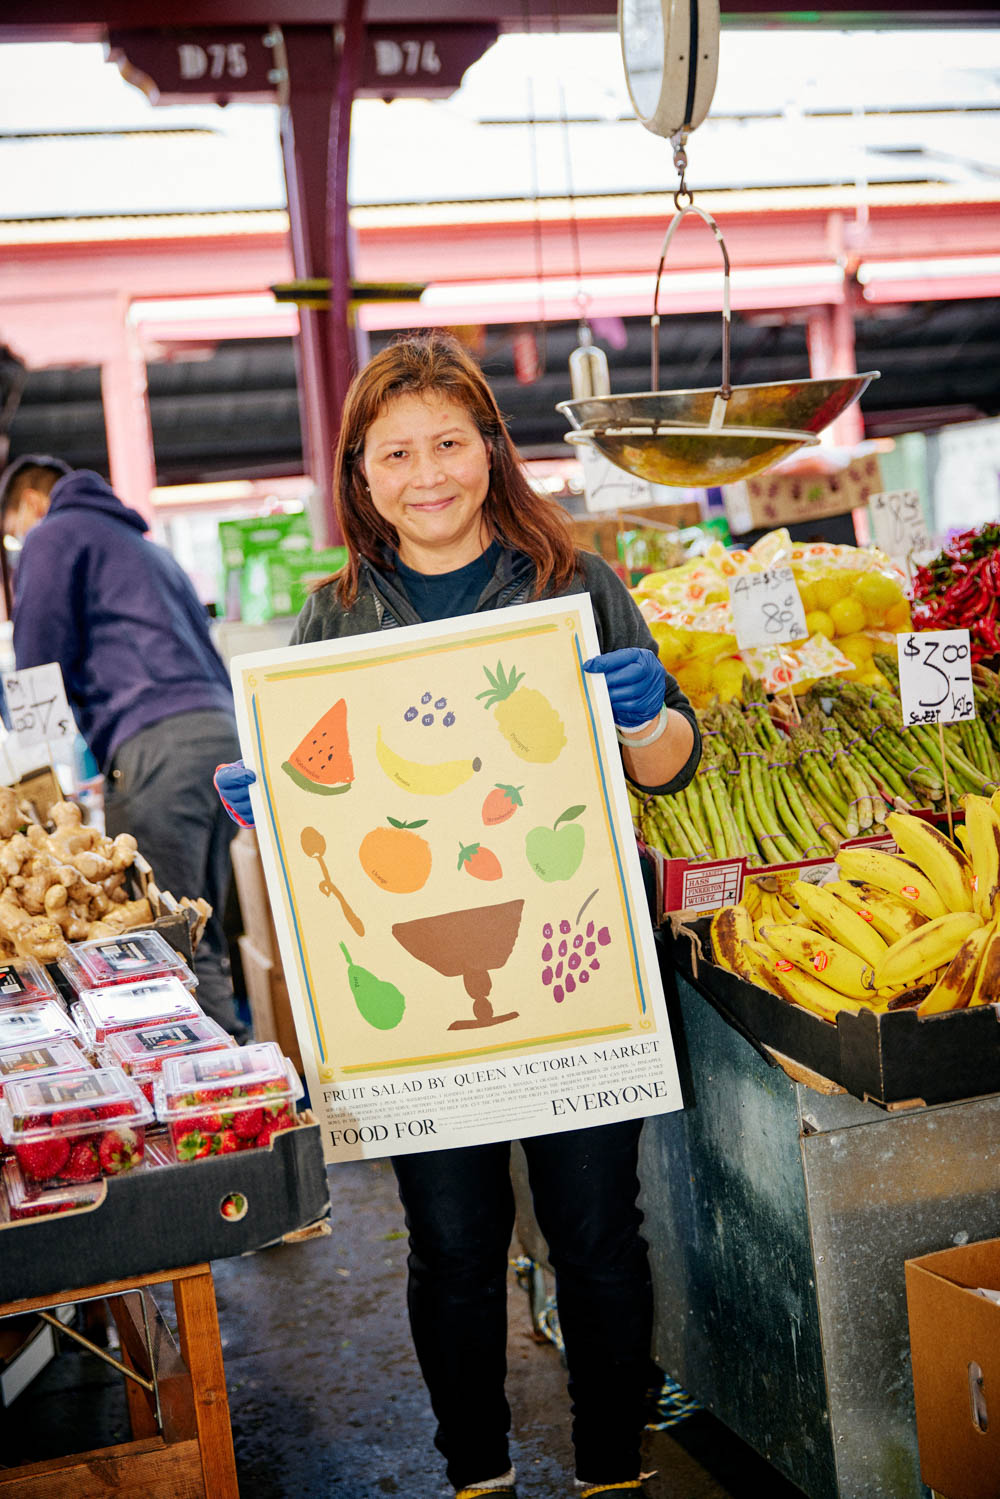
(159, 788)
(460, 1212)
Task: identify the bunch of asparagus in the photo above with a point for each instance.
(782, 794)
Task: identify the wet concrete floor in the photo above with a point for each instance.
(325, 1395)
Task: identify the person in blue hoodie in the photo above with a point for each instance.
(150, 693)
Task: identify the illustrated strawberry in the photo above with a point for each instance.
(482, 863)
(501, 803)
(273, 1127)
(41, 1159)
(84, 1163)
(120, 1149)
(247, 1123)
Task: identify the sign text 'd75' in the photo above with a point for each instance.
(935, 677)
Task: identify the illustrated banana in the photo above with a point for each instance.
(982, 831)
(953, 990)
(986, 989)
(821, 957)
(781, 977)
(838, 921)
(913, 956)
(891, 916)
(944, 864)
(893, 873)
(729, 928)
(423, 780)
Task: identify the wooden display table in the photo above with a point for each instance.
(182, 1445)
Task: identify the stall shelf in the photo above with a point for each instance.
(779, 1218)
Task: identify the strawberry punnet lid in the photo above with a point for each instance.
(192, 1083)
(22, 1202)
(68, 1104)
(143, 1051)
(36, 1025)
(59, 1055)
(125, 1007)
(24, 982)
(132, 957)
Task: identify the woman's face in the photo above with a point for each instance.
(428, 469)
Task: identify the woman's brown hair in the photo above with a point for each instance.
(436, 363)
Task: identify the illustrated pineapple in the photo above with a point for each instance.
(525, 718)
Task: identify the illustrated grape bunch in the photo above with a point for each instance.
(571, 954)
(429, 707)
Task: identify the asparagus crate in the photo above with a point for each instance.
(894, 1060)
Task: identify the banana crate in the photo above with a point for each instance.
(896, 1059)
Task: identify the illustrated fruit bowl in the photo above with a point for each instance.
(466, 944)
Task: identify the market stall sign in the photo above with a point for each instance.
(767, 608)
(36, 702)
(898, 524)
(935, 677)
(220, 63)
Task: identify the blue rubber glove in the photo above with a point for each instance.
(636, 684)
(233, 783)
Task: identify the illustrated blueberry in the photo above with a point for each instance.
(442, 702)
(427, 719)
(410, 715)
(448, 720)
(426, 697)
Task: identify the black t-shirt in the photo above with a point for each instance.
(441, 595)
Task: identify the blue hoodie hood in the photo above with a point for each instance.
(117, 612)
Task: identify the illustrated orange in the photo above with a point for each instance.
(396, 858)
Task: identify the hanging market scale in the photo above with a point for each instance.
(712, 436)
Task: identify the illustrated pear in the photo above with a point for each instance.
(378, 1002)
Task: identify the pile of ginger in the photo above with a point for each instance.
(63, 886)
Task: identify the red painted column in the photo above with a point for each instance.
(126, 415)
(321, 71)
(830, 340)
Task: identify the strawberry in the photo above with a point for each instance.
(226, 1142)
(206, 1124)
(273, 1127)
(191, 1144)
(247, 1123)
(84, 1164)
(501, 803)
(112, 1110)
(77, 1116)
(234, 1206)
(121, 1148)
(42, 1159)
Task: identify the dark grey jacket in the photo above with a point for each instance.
(383, 605)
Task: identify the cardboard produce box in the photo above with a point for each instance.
(783, 499)
(894, 1059)
(955, 1352)
(251, 890)
(156, 1219)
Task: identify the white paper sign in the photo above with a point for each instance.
(767, 608)
(935, 677)
(898, 524)
(36, 701)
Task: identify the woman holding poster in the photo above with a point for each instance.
(440, 521)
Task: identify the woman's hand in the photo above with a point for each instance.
(636, 684)
(233, 783)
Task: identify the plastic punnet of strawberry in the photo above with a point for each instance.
(72, 1128)
(214, 1103)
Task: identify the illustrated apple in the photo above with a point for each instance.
(556, 853)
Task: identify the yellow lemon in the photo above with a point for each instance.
(818, 622)
(857, 648)
(829, 589)
(671, 643)
(898, 617)
(877, 591)
(695, 678)
(874, 678)
(807, 592)
(848, 616)
(727, 678)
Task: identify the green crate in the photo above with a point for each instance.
(278, 583)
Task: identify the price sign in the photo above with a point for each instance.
(898, 523)
(36, 702)
(767, 608)
(935, 677)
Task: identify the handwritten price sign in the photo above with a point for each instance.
(898, 523)
(935, 677)
(36, 701)
(767, 608)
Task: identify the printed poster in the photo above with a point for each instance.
(449, 855)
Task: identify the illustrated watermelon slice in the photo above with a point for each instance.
(322, 762)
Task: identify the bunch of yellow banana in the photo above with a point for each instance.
(917, 928)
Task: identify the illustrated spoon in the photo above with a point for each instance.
(314, 847)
